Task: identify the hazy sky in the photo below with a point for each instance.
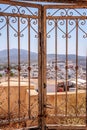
(50, 31)
(75, 36)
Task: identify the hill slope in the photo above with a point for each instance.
(34, 56)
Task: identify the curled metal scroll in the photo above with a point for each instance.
(18, 10)
(82, 23)
(24, 23)
(3, 23)
(50, 23)
(62, 23)
(12, 21)
(57, 12)
(72, 23)
(34, 22)
(22, 10)
(67, 12)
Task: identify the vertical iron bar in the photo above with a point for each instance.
(8, 69)
(40, 85)
(86, 88)
(42, 70)
(66, 64)
(19, 68)
(76, 64)
(39, 69)
(29, 66)
(55, 67)
(41, 105)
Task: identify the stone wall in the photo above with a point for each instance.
(33, 99)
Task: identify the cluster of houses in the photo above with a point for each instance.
(50, 70)
(54, 70)
(23, 71)
(61, 70)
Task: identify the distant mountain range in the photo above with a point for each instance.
(13, 53)
(34, 56)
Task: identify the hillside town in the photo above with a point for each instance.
(51, 74)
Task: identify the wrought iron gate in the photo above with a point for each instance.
(19, 61)
(65, 26)
(36, 82)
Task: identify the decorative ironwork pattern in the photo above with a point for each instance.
(51, 36)
(18, 10)
(67, 12)
(19, 33)
(65, 25)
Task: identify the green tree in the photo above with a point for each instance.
(11, 74)
(0, 75)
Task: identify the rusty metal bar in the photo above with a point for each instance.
(66, 65)
(69, 2)
(39, 72)
(19, 15)
(44, 65)
(58, 127)
(47, 17)
(49, 1)
(56, 1)
(41, 84)
(76, 66)
(16, 120)
(39, 65)
(55, 67)
(66, 17)
(65, 127)
(8, 68)
(23, 4)
(86, 88)
(65, 6)
(19, 68)
(29, 67)
(67, 116)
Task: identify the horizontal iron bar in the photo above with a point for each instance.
(67, 116)
(19, 15)
(16, 120)
(51, 1)
(30, 128)
(66, 17)
(57, 1)
(65, 6)
(36, 5)
(65, 127)
(23, 4)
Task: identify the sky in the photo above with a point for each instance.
(50, 32)
(73, 39)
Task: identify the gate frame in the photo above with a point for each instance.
(71, 6)
(42, 60)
